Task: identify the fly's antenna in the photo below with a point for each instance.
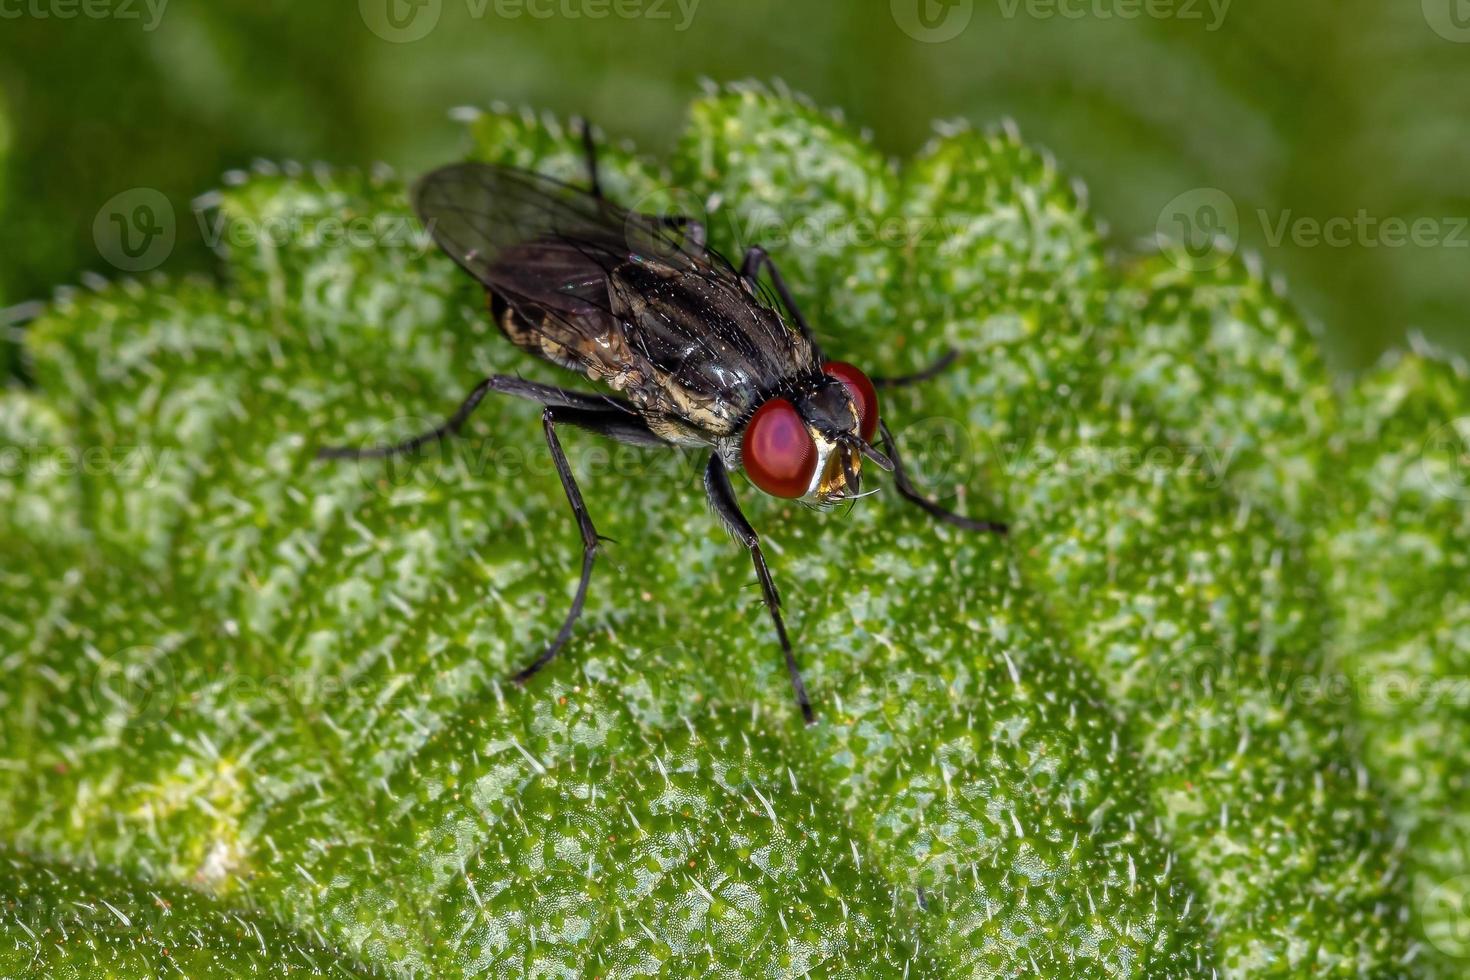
(866, 448)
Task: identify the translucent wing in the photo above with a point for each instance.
(524, 234)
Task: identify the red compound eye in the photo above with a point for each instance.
(863, 393)
(778, 451)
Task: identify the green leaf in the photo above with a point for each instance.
(276, 688)
(64, 922)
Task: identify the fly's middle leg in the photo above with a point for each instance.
(601, 414)
(589, 546)
(615, 424)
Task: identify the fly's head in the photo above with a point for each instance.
(811, 446)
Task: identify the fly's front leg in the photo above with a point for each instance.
(907, 490)
(757, 258)
(722, 498)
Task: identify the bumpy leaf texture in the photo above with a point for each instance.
(1200, 715)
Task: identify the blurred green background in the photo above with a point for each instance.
(1298, 112)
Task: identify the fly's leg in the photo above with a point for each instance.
(603, 415)
(722, 498)
(757, 258)
(550, 418)
(928, 374)
(589, 149)
(906, 488)
(502, 383)
(908, 492)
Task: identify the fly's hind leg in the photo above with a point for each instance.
(501, 383)
(722, 498)
(606, 416)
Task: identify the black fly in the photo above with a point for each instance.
(699, 352)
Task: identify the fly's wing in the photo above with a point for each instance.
(618, 295)
(537, 240)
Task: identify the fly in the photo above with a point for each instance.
(700, 354)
